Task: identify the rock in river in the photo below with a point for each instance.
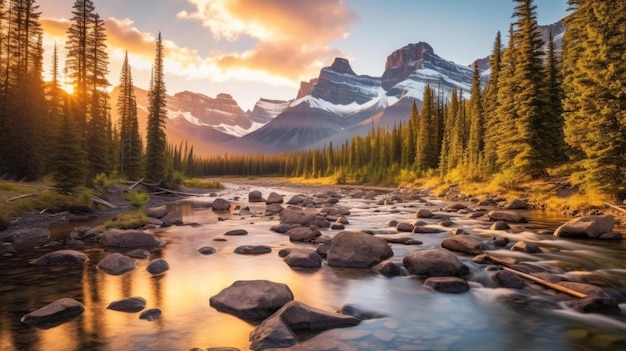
(253, 249)
(28, 238)
(129, 239)
(252, 299)
(586, 227)
(116, 264)
(357, 250)
(56, 313)
(435, 263)
(451, 285)
(463, 243)
(158, 266)
(303, 258)
(129, 304)
(61, 257)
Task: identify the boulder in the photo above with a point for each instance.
(253, 249)
(61, 257)
(206, 250)
(586, 227)
(452, 285)
(151, 314)
(337, 226)
(23, 239)
(274, 198)
(303, 258)
(296, 200)
(587, 289)
(281, 228)
(500, 225)
(255, 196)
(463, 243)
(595, 304)
(293, 216)
(523, 246)
(129, 304)
(221, 205)
(508, 279)
(138, 253)
(454, 207)
(405, 227)
(279, 330)
(434, 263)
(274, 208)
(335, 211)
(506, 216)
(517, 204)
(129, 239)
(404, 240)
(158, 266)
(303, 234)
(357, 250)
(236, 232)
(56, 313)
(156, 212)
(387, 268)
(252, 299)
(172, 218)
(116, 264)
(359, 313)
(424, 213)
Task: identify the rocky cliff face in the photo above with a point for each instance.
(306, 88)
(401, 63)
(339, 85)
(221, 110)
(265, 110)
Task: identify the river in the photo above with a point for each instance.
(413, 317)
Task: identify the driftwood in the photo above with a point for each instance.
(21, 197)
(615, 207)
(178, 192)
(103, 202)
(135, 184)
(556, 287)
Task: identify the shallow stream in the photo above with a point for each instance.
(415, 318)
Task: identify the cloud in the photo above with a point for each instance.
(55, 28)
(292, 36)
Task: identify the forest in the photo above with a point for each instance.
(540, 110)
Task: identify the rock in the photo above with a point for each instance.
(236, 232)
(359, 313)
(507, 216)
(61, 257)
(151, 314)
(586, 227)
(463, 243)
(424, 213)
(116, 264)
(508, 279)
(447, 222)
(322, 249)
(611, 236)
(391, 223)
(157, 212)
(255, 196)
(274, 208)
(303, 234)
(138, 253)
(274, 198)
(405, 227)
(296, 200)
(500, 225)
(434, 263)
(587, 289)
(221, 205)
(526, 247)
(291, 216)
(517, 204)
(595, 304)
(158, 266)
(72, 244)
(129, 239)
(454, 207)
(337, 226)
(281, 228)
(23, 239)
(452, 285)
(253, 250)
(387, 268)
(172, 218)
(303, 258)
(357, 250)
(485, 258)
(80, 209)
(405, 240)
(206, 250)
(278, 330)
(252, 299)
(56, 313)
(129, 304)
(427, 230)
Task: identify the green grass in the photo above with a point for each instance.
(133, 219)
(202, 183)
(137, 197)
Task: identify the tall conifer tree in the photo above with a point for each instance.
(490, 106)
(156, 142)
(130, 140)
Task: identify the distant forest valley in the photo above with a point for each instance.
(546, 125)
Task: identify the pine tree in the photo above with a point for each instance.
(130, 141)
(595, 93)
(553, 116)
(490, 106)
(427, 154)
(475, 143)
(409, 136)
(69, 158)
(156, 141)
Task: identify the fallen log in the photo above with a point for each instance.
(21, 197)
(615, 207)
(102, 202)
(178, 192)
(135, 184)
(553, 286)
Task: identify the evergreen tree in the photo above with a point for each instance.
(69, 158)
(130, 141)
(427, 154)
(409, 136)
(490, 106)
(156, 141)
(475, 143)
(506, 111)
(553, 116)
(595, 93)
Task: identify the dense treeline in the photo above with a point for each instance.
(46, 130)
(538, 109)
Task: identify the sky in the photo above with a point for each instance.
(254, 49)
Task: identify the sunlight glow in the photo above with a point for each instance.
(68, 88)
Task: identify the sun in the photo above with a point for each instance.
(69, 88)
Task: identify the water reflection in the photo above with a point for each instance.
(416, 318)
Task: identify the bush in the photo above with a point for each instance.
(137, 197)
(128, 220)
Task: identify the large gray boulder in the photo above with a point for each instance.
(274, 198)
(586, 227)
(158, 266)
(293, 216)
(450, 285)
(507, 216)
(157, 212)
(462, 243)
(172, 218)
(303, 258)
(279, 330)
(61, 257)
(221, 205)
(255, 196)
(116, 264)
(23, 239)
(435, 263)
(129, 304)
(304, 234)
(595, 304)
(357, 250)
(252, 299)
(56, 313)
(129, 239)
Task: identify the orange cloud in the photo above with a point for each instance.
(55, 28)
(293, 36)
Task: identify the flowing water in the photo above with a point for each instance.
(413, 317)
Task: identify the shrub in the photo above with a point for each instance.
(137, 197)
(128, 220)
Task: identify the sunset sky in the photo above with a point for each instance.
(265, 48)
